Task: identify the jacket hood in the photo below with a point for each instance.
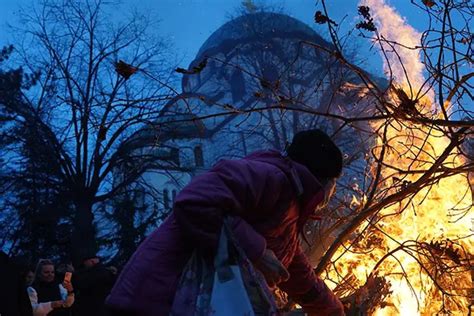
(306, 186)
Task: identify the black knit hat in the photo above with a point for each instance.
(315, 149)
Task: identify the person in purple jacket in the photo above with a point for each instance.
(269, 196)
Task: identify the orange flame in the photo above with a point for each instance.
(430, 215)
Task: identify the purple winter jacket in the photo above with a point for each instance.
(270, 197)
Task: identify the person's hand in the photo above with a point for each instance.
(68, 286)
(272, 269)
(57, 304)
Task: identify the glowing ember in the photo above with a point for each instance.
(428, 237)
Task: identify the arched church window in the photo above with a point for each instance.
(174, 156)
(237, 86)
(166, 199)
(269, 74)
(198, 156)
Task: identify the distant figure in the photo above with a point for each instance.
(93, 282)
(26, 270)
(13, 295)
(48, 296)
(29, 277)
(270, 196)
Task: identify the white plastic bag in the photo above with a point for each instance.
(227, 287)
(229, 296)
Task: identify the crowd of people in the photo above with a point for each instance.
(55, 289)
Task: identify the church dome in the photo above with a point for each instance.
(257, 26)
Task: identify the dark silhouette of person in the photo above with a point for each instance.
(14, 299)
(93, 282)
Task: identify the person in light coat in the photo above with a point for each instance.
(47, 296)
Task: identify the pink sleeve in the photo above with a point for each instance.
(251, 242)
(308, 290)
(232, 188)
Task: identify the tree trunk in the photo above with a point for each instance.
(83, 241)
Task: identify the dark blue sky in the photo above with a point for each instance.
(188, 23)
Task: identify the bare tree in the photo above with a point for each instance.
(100, 79)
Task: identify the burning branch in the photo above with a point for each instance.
(419, 159)
(394, 198)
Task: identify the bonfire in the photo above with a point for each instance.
(406, 246)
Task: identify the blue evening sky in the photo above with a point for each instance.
(188, 23)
